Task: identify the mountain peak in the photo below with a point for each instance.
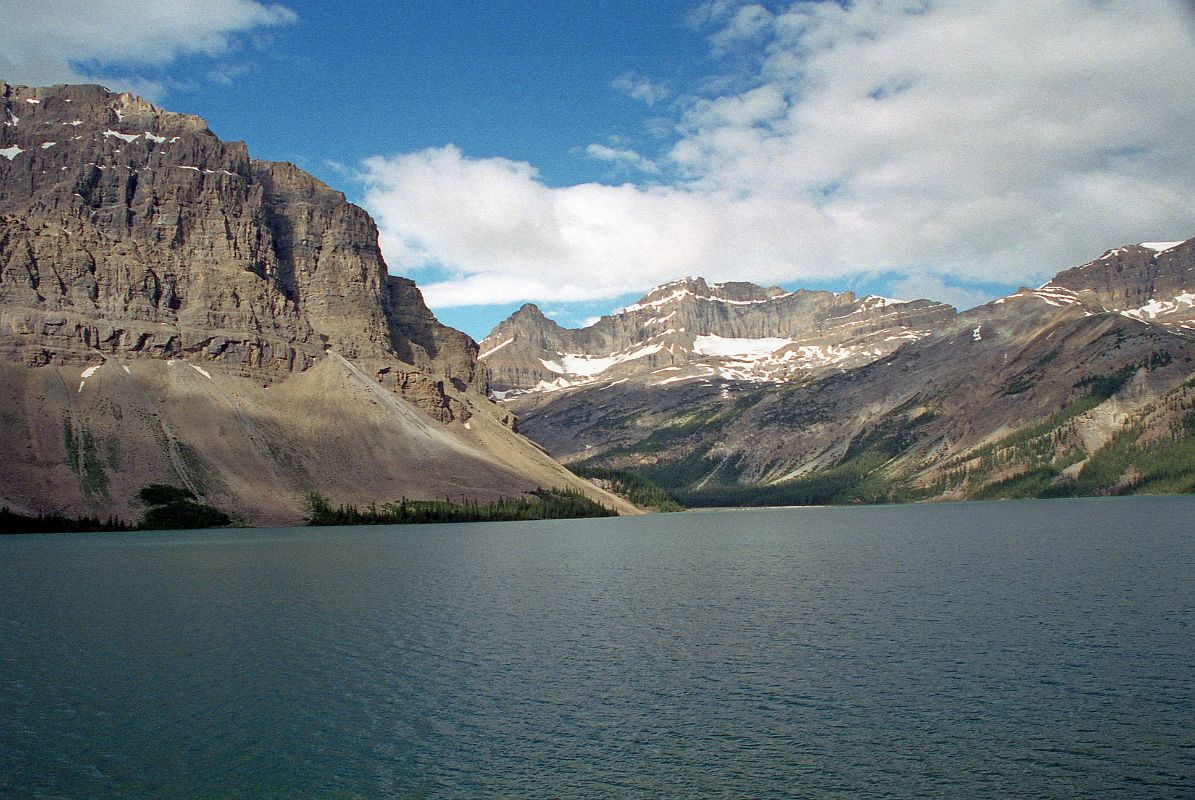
(742, 331)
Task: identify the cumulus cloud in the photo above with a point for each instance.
(642, 89)
(621, 155)
(934, 287)
(993, 140)
(64, 41)
(506, 236)
(746, 22)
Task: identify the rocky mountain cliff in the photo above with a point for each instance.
(1081, 386)
(134, 242)
(690, 329)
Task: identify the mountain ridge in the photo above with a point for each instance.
(688, 322)
(134, 244)
(1042, 382)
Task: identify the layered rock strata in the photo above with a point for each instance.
(133, 240)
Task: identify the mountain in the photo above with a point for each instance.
(1082, 386)
(691, 330)
(173, 311)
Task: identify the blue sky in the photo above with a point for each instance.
(574, 155)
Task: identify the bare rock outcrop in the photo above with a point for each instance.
(135, 242)
(126, 229)
(690, 322)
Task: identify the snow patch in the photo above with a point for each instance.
(47, 145)
(976, 334)
(876, 301)
(74, 123)
(578, 368)
(1056, 295)
(31, 101)
(1156, 308)
(1159, 247)
(493, 350)
(720, 346)
(87, 373)
(682, 293)
(128, 137)
(676, 379)
(11, 152)
(587, 366)
(152, 138)
(202, 371)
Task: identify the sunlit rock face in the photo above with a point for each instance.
(690, 329)
(733, 387)
(230, 325)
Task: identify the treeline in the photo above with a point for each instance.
(12, 522)
(542, 504)
(172, 508)
(1125, 465)
(166, 508)
(640, 490)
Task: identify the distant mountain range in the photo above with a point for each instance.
(734, 393)
(173, 311)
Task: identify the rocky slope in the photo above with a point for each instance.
(1080, 386)
(691, 330)
(172, 310)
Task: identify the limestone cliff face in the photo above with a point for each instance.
(172, 311)
(690, 322)
(129, 230)
(1153, 281)
(1083, 385)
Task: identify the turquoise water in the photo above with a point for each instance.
(1035, 649)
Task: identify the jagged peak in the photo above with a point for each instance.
(93, 105)
(698, 289)
(1150, 248)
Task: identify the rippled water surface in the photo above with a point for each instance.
(1037, 649)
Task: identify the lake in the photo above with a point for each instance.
(1029, 649)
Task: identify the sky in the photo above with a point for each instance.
(576, 154)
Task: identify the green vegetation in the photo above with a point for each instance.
(640, 490)
(700, 481)
(82, 459)
(12, 522)
(168, 508)
(699, 421)
(1037, 456)
(172, 508)
(1039, 448)
(544, 504)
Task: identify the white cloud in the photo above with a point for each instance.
(933, 287)
(993, 140)
(48, 41)
(509, 237)
(621, 155)
(746, 23)
(642, 89)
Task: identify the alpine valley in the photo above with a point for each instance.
(175, 312)
(731, 393)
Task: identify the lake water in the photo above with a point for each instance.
(1028, 649)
